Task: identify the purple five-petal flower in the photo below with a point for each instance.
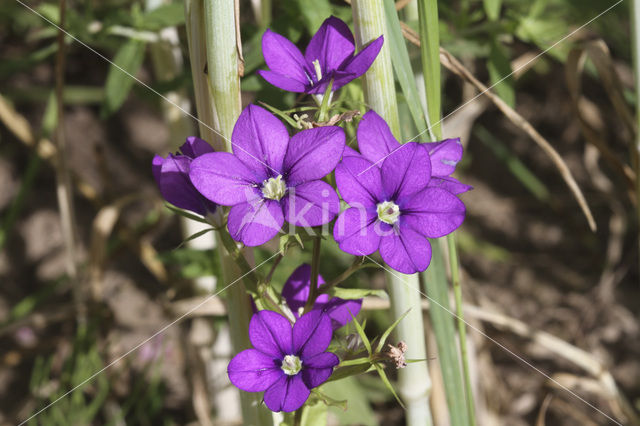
(172, 177)
(271, 177)
(285, 363)
(296, 292)
(393, 208)
(329, 55)
(376, 142)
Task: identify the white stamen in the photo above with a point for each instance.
(291, 365)
(274, 188)
(316, 65)
(388, 212)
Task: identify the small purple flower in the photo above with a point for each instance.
(376, 141)
(271, 177)
(393, 208)
(286, 363)
(296, 292)
(329, 55)
(172, 177)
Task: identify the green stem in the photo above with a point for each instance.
(315, 270)
(224, 102)
(462, 330)
(414, 382)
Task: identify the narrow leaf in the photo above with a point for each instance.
(361, 333)
(129, 57)
(356, 293)
(388, 331)
(436, 287)
(387, 383)
(500, 67)
(402, 65)
(186, 214)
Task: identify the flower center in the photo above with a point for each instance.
(316, 66)
(291, 365)
(388, 212)
(274, 188)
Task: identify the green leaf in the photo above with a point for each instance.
(129, 57)
(186, 214)
(194, 236)
(388, 331)
(492, 8)
(356, 361)
(436, 288)
(281, 114)
(168, 15)
(358, 410)
(387, 383)
(314, 12)
(402, 65)
(361, 333)
(500, 67)
(315, 414)
(356, 293)
(353, 370)
(520, 170)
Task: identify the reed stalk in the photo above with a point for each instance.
(222, 70)
(414, 382)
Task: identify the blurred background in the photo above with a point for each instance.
(536, 278)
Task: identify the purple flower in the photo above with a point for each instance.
(393, 208)
(271, 177)
(376, 141)
(296, 292)
(172, 176)
(286, 363)
(329, 55)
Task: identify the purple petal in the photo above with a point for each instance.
(359, 182)
(282, 82)
(177, 189)
(296, 290)
(355, 231)
(363, 60)
(284, 58)
(350, 152)
(311, 334)
(433, 212)
(311, 204)
(312, 154)
(317, 369)
(444, 156)
(156, 167)
(195, 147)
(450, 184)
(340, 310)
(405, 171)
(340, 79)
(256, 222)
(224, 179)
(260, 140)
(331, 45)
(406, 251)
(287, 394)
(270, 333)
(253, 371)
(375, 139)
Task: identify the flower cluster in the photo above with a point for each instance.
(396, 197)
